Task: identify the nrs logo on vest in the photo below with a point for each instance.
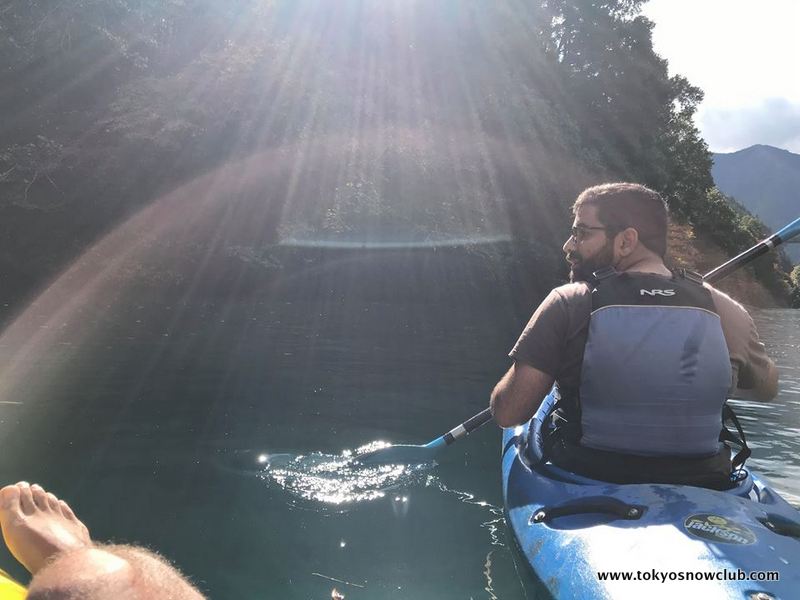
(656, 292)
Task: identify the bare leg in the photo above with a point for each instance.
(110, 573)
(44, 534)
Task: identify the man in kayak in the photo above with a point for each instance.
(644, 359)
(44, 535)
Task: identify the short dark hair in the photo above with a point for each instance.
(623, 205)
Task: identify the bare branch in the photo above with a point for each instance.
(53, 183)
(28, 187)
(4, 176)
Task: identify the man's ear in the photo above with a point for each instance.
(627, 240)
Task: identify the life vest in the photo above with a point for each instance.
(656, 370)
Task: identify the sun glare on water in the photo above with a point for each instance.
(337, 479)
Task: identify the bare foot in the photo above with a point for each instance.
(37, 525)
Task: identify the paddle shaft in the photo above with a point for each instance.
(468, 426)
(764, 246)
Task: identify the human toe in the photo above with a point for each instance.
(52, 502)
(66, 510)
(39, 497)
(26, 498)
(10, 498)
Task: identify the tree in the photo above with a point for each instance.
(613, 83)
(795, 279)
(437, 113)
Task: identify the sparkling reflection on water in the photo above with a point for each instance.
(338, 480)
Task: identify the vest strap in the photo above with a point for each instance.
(692, 276)
(726, 435)
(604, 273)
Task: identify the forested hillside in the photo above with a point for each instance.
(292, 122)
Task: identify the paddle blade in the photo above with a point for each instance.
(397, 455)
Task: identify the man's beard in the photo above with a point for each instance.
(583, 269)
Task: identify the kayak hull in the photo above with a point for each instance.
(583, 538)
(10, 589)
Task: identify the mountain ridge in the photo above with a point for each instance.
(764, 179)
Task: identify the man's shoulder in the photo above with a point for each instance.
(571, 298)
(572, 291)
(725, 305)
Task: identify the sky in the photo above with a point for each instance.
(745, 56)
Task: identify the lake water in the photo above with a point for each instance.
(149, 416)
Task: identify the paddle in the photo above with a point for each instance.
(404, 453)
(776, 239)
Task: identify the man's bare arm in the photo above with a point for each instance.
(518, 394)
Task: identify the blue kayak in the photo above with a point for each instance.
(591, 539)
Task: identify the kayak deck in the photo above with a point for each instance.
(572, 530)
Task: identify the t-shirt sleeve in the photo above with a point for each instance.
(754, 372)
(542, 343)
(748, 355)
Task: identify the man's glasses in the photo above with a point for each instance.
(581, 232)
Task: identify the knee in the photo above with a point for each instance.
(89, 573)
(155, 576)
(103, 572)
